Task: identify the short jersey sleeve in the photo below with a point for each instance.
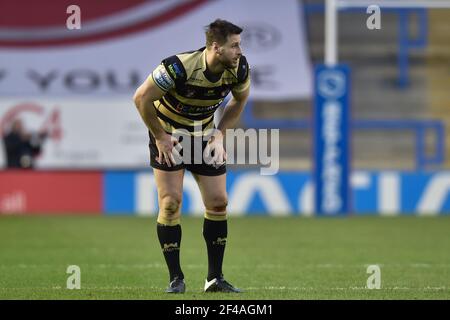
(162, 79)
(169, 74)
(243, 76)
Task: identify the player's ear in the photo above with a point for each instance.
(216, 48)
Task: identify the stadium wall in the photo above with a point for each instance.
(386, 193)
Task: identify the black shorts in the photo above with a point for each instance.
(197, 146)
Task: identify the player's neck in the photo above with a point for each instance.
(214, 65)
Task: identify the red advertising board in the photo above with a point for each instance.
(42, 192)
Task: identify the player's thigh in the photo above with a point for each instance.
(169, 185)
(214, 191)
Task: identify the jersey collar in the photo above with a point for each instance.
(210, 76)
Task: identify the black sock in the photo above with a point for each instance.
(215, 234)
(170, 240)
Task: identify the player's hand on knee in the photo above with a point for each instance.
(214, 153)
(165, 145)
(219, 155)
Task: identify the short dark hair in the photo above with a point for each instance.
(219, 30)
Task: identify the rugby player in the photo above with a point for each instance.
(177, 101)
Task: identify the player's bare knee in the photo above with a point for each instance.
(218, 205)
(170, 205)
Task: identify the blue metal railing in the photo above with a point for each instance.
(405, 41)
(420, 128)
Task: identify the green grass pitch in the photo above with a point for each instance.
(270, 258)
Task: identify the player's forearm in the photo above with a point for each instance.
(231, 115)
(148, 115)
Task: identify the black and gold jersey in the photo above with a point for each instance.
(193, 93)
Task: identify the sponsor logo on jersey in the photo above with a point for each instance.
(210, 93)
(190, 93)
(175, 71)
(193, 79)
(162, 78)
(195, 109)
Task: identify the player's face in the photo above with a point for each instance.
(231, 51)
